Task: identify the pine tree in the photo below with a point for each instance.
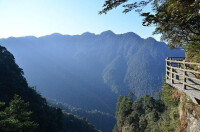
(16, 116)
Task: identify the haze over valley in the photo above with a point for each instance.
(90, 71)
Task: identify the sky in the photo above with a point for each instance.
(42, 17)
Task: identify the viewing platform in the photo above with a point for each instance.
(180, 75)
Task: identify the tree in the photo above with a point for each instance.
(16, 117)
(178, 21)
(140, 115)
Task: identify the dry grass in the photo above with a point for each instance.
(176, 94)
(187, 107)
(183, 121)
(192, 107)
(183, 125)
(197, 110)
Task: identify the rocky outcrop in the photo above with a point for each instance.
(189, 115)
(193, 122)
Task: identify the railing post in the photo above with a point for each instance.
(172, 75)
(184, 74)
(166, 75)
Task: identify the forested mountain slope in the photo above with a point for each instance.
(49, 119)
(89, 71)
(102, 121)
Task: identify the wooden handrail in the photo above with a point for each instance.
(170, 72)
(194, 86)
(183, 69)
(183, 62)
(185, 76)
(175, 57)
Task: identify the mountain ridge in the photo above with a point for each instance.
(92, 68)
(84, 33)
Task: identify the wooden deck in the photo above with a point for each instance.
(180, 75)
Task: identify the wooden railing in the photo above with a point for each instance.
(180, 72)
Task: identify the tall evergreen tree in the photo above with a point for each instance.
(16, 116)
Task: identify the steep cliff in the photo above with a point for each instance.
(189, 115)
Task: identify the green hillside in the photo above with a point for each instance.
(49, 119)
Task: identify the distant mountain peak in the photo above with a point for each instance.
(53, 35)
(56, 34)
(88, 34)
(151, 39)
(109, 32)
(131, 34)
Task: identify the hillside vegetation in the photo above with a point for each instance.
(28, 110)
(148, 114)
(102, 121)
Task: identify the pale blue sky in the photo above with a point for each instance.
(42, 17)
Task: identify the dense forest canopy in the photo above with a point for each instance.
(148, 114)
(16, 116)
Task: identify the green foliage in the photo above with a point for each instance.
(16, 116)
(13, 82)
(147, 114)
(167, 96)
(178, 21)
(169, 118)
(124, 105)
(193, 54)
(138, 114)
